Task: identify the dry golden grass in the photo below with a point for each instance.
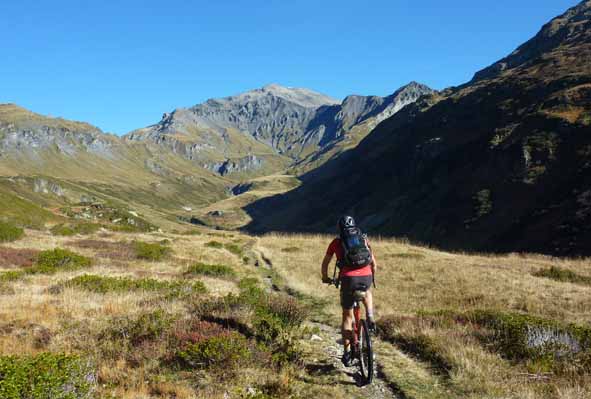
(33, 310)
(409, 279)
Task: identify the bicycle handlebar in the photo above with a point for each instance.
(333, 281)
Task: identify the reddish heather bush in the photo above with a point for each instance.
(107, 249)
(193, 331)
(200, 344)
(17, 257)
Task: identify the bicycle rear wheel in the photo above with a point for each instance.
(365, 352)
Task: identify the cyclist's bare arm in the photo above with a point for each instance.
(325, 263)
(374, 264)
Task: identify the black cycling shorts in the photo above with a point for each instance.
(353, 283)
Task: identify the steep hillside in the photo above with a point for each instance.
(501, 163)
(343, 126)
(62, 162)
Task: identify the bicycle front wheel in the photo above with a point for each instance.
(365, 352)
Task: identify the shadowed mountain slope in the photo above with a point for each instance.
(502, 163)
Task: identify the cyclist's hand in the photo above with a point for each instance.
(326, 280)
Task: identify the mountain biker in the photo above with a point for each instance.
(352, 279)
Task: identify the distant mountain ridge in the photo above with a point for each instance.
(274, 124)
(501, 163)
(192, 158)
(251, 134)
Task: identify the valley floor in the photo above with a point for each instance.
(213, 314)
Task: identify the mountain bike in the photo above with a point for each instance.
(361, 345)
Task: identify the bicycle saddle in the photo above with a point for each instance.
(358, 295)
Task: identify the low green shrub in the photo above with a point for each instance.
(214, 244)
(104, 284)
(151, 251)
(248, 283)
(10, 232)
(210, 270)
(224, 351)
(52, 261)
(230, 247)
(143, 327)
(73, 229)
(49, 262)
(234, 248)
(276, 321)
(287, 310)
(46, 375)
(12, 275)
(558, 274)
(230, 310)
(62, 230)
(273, 319)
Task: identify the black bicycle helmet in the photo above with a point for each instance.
(346, 222)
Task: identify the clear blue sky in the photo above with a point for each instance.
(121, 64)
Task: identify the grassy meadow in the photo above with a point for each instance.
(217, 314)
(440, 317)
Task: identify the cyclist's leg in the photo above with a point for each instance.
(347, 329)
(347, 306)
(368, 302)
(364, 283)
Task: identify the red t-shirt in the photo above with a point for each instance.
(336, 248)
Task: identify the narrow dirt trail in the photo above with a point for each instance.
(329, 345)
(323, 356)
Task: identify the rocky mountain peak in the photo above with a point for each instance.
(302, 97)
(287, 120)
(356, 109)
(415, 87)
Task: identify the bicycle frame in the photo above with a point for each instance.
(356, 315)
(356, 328)
(358, 346)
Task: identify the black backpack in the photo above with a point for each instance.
(355, 249)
